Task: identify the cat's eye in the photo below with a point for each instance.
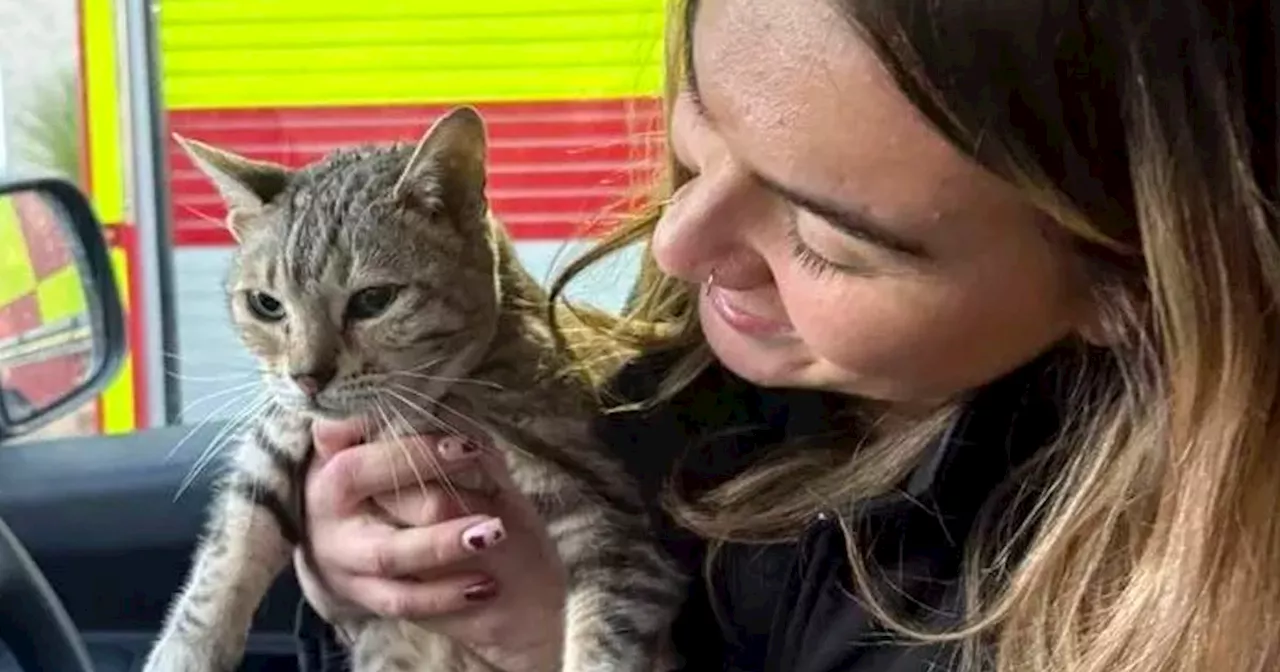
(371, 302)
(264, 306)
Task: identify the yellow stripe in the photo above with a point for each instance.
(61, 295)
(19, 279)
(223, 11)
(106, 169)
(106, 173)
(249, 53)
(117, 401)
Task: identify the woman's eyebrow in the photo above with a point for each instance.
(853, 223)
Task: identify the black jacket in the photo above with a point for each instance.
(788, 607)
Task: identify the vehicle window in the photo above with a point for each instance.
(569, 90)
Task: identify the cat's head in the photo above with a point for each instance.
(365, 280)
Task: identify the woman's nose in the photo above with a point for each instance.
(706, 224)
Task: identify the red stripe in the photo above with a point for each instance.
(125, 237)
(556, 168)
(46, 238)
(46, 381)
(19, 316)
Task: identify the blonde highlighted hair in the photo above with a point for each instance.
(1152, 539)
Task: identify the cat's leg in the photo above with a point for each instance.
(248, 541)
(624, 594)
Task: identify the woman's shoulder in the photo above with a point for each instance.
(715, 398)
(650, 438)
(709, 427)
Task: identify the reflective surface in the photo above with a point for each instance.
(47, 335)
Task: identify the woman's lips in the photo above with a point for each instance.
(742, 320)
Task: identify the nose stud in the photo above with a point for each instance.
(711, 281)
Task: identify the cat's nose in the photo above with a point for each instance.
(311, 382)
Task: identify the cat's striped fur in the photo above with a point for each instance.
(417, 219)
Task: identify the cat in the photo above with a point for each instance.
(376, 281)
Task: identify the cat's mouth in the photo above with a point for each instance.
(347, 408)
(317, 410)
(324, 407)
(399, 404)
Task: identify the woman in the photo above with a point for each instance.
(976, 361)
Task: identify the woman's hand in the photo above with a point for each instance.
(394, 534)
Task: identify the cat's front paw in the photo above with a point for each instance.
(176, 655)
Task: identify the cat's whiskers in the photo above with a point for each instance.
(443, 379)
(427, 364)
(443, 477)
(390, 431)
(235, 366)
(249, 413)
(434, 418)
(208, 219)
(211, 379)
(421, 410)
(474, 423)
(219, 393)
(207, 418)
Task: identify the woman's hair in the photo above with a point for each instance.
(1148, 130)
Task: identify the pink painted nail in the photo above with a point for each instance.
(484, 535)
(455, 448)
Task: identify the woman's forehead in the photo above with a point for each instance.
(797, 95)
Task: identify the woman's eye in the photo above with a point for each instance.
(371, 302)
(817, 264)
(264, 306)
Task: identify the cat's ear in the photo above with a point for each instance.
(246, 185)
(451, 154)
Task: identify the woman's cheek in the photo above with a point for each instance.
(886, 329)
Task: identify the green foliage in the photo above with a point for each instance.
(47, 132)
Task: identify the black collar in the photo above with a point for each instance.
(1002, 426)
(723, 421)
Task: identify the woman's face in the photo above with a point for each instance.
(847, 245)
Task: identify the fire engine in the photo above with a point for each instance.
(570, 91)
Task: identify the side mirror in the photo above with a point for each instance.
(61, 323)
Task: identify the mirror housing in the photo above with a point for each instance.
(90, 338)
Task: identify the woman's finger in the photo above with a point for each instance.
(333, 436)
(420, 600)
(353, 476)
(329, 606)
(431, 503)
(414, 551)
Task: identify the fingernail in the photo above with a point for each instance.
(481, 592)
(484, 535)
(455, 448)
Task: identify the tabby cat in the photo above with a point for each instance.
(376, 282)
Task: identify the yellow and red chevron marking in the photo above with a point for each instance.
(569, 90)
(42, 288)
